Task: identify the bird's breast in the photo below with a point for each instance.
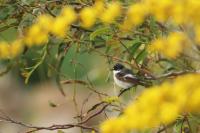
(122, 84)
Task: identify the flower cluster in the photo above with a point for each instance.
(171, 46)
(175, 97)
(38, 33)
(89, 15)
(10, 50)
(180, 12)
(163, 10)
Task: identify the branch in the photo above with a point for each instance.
(74, 81)
(97, 113)
(172, 74)
(165, 127)
(38, 128)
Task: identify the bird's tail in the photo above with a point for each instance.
(145, 83)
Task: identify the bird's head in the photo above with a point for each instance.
(118, 67)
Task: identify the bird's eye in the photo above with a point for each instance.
(118, 66)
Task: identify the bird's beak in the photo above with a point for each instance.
(111, 69)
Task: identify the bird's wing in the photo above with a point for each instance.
(127, 76)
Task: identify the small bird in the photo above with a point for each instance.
(125, 78)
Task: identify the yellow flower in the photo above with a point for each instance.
(99, 6)
(88, 17)
(45, 22)
(59, 27)
(161, 10)
(180, 12)
(69, 14)
(4, 50)
(168, 112)
(197, 34)
(137, 13)
(177, 14)
(158, 105)
(118, 125)
(171, 46)
(35, 35)
(157, 45)
(113, 11)
(194, 102)
(16, 48)
(41, 38)
(63, 21)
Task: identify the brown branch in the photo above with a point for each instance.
(73, 81)
(123, 91)
(187, 120)
(8, 26)
(172, 74)
(95, 114)
(53, 127)
(165, 127)
(84, 103)
(67, 126)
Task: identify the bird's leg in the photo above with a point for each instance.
(123, 91)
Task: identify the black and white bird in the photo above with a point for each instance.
(125, 78)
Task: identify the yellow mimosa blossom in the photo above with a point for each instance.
(194, 103)
(59, 27)
(136, 13)
(93, 131)
(63, 21)
(69, 14)
(4, 50)
(197, 34)
(99, 6)
(12, 50)
(191, 8)
(45, 22)
(159, 104)
(88, 17)
(113, 10)
(35, 35)
(171, 46)
(16, 48)
(179, 12)
(161, 10)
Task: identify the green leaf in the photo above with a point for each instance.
(135, 44)
(33, 68)
(141, 56)
(135, 47)
(107, 49)
(6, 12)
(99, 32)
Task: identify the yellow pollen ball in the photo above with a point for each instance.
(113, 11)
(88, 17)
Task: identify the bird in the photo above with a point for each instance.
(125, 78)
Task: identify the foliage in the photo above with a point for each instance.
(159, 40)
